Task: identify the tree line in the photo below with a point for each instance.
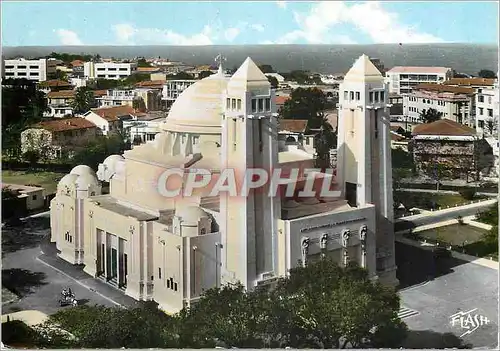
(320, 305)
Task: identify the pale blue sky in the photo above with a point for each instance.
(238, 22)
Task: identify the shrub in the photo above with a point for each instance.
(468, 193)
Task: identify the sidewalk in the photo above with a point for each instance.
(448, 210)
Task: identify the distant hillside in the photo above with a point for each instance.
(466, 58)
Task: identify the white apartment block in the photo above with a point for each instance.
(36, 70)
(455, 103)
(108, 70)
(173, 88)
(117, 97)
(487, 114)
(403, 79)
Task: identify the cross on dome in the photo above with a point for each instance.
(219, 59)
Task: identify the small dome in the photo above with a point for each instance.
(85, 180)
(111, 161)
(190, 215)
(68, 180)
(81, 170)
(201, 103)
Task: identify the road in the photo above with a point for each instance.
(440, 216)
(439, 289)
(31, 268)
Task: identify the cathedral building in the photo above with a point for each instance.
(171, 249)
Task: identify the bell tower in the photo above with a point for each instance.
(249, 142)
(364, 167)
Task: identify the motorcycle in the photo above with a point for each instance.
(67, 298)
(68, 301)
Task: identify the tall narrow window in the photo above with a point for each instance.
(261, 105)
(346, 95)
(254, 105)
(358, 96)
(239, 104)
(228, 103)
(371, 96)
(159, 273)
(351, 95)
(382, 96)
(233, 104)
(268, 104)
(376, 97)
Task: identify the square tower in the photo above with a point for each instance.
(249, 141)
(364, 167)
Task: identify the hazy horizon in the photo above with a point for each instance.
(322, 58)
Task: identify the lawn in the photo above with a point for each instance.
(47, 180)
(454, 234)
(427, 200)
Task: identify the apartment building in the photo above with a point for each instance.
(402, 79)
(173, 88)
(455, 103)
(110, 120)
(108, 70)
(486, 110)
(144, 126)
(37, 70)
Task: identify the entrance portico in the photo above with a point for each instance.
(112, 259)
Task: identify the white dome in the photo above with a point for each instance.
(85, 180)
(111, 161)
(201, 103)
(68, 180)
(81, 170)
(190, 215)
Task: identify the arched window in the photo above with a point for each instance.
(290, 139)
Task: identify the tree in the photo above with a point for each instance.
(13, 207)
(267, 69)
(84, 100)
(323, 305)
(104, 84)
(491, 126)
(486, 73)
(143, 63)
(22, 105)
(139, 104)
(228, 317)
(105, 327)
(60, 75)
(274, 82)
(430, 115)
(32, 157)
(134, 79)
(205, 74)
(401, 159)
(308, 104)
(325, 141)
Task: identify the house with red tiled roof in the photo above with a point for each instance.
(54, 85)
(280, 101)
(452, 149)
(110, 119)
(58, 137)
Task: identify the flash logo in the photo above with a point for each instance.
(469, 321)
